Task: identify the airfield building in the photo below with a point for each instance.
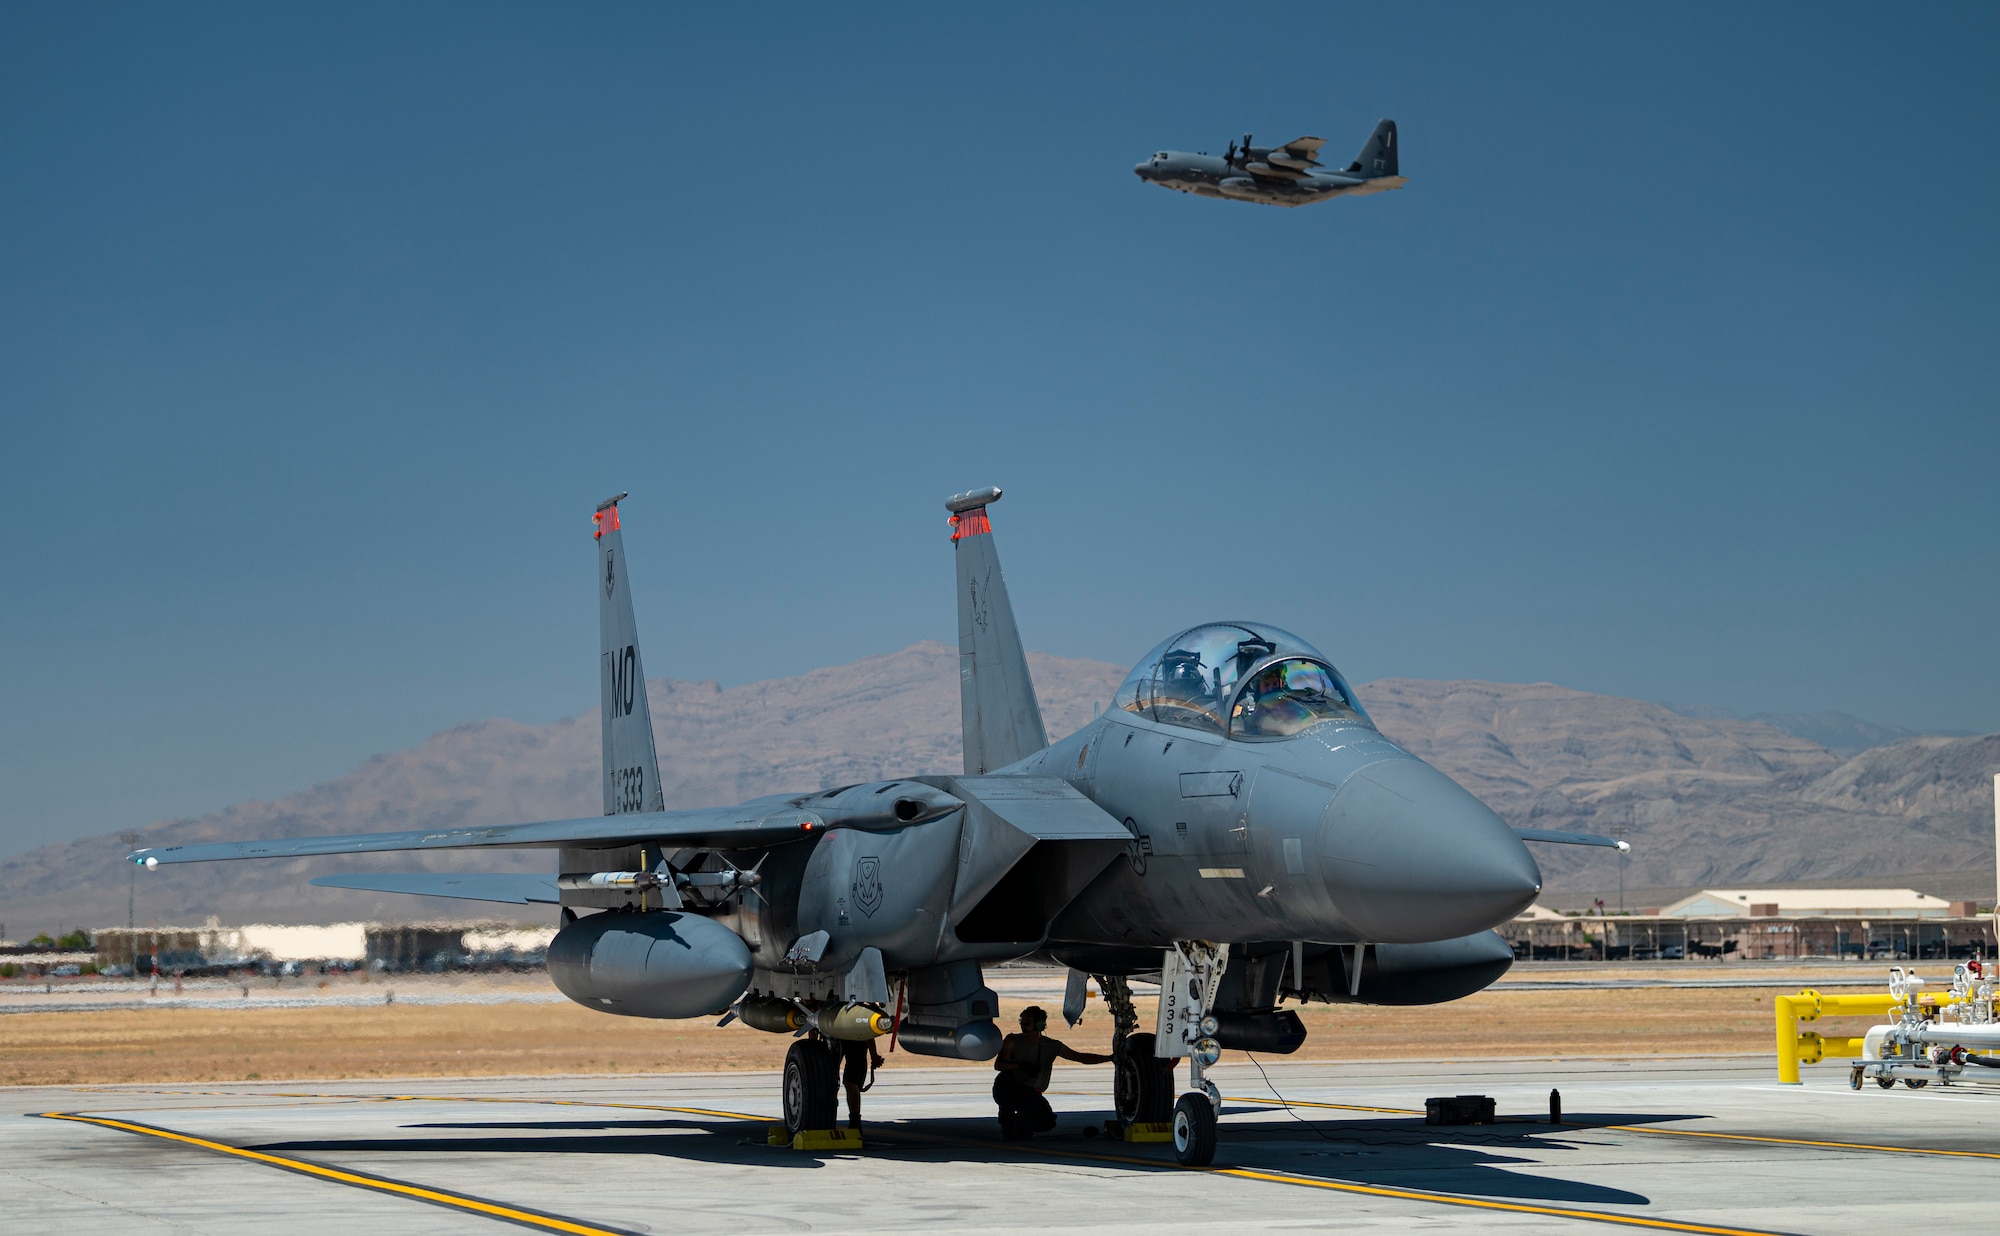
(1756, 924)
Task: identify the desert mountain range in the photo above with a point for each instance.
(1704, 800)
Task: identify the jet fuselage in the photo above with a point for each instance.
(1335, 834)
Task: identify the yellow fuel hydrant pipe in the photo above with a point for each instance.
(1788, 1040)
(1810, 1005)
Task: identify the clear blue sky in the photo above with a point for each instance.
(1671, 373)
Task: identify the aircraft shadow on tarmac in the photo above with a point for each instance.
(669, 1139)
(1389, 1151)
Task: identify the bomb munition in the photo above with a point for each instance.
(856, 1021)
(771, 1016)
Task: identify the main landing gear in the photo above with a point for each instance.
(1142, 1084)
(812, 1085)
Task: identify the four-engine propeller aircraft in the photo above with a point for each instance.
(1233, 825)
(1287, 175)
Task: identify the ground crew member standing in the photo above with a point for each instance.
(1023, 1065)
(857, 1057)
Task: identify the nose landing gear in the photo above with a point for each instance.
(1143, 1064)
(1188, 982)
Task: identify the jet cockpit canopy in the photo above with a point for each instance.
(1243, 679)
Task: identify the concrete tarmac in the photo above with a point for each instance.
(1668, 1145)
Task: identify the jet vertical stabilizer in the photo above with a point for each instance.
(1003, 723)
(631, 766)
(1378, 157)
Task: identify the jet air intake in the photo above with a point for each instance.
(652, 964)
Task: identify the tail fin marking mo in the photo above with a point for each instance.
(631, 766)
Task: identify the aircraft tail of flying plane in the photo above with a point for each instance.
(1002, 720)
(1378, 157)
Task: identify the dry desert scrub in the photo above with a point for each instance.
(189, 1045)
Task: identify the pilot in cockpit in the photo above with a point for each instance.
(1181, 677)
(1286, 697)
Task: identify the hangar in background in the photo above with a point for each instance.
(384, 946)
(1758, 924)
(1816, 903)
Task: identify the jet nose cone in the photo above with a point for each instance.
(1139, 170)
(1410, 856)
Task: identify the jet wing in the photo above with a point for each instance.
(1298, 154)
(517, 889)
(1563, 838)
(760, 822)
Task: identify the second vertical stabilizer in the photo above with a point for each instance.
(631, 766)
(1003, 722)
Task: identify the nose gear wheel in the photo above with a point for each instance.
(1194, 1130)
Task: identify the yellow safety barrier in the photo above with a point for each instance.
(1795, 1048)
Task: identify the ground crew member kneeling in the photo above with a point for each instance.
(1024, 1064)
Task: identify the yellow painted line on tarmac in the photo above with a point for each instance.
(1479, 1203)
(1802, 1141)
(362, 1180)
(1346, 1186)
(556, 1223)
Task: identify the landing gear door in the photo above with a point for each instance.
(1189, 976)
(1179, 997)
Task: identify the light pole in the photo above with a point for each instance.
(1619, 832)
(130, 840)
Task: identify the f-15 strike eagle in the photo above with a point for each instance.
(1287, 175)
(1233, 827)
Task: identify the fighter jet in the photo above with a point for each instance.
(1287, 175)
(1232, 826)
